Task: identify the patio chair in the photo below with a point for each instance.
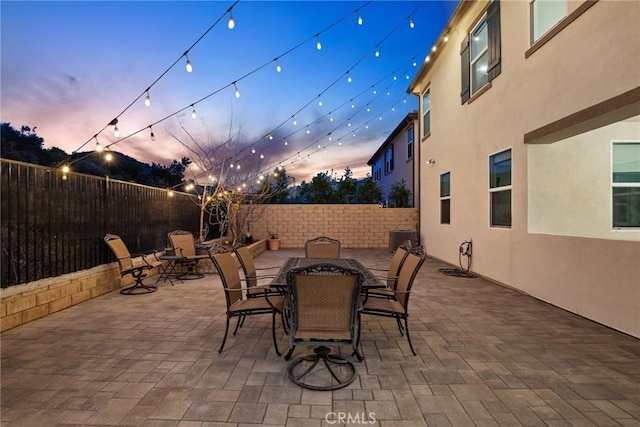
(239, 307)
(325, 299)
(322, 247)
(185, 247)
(398, 306)
(391, 278)
(250, 272)
(136, 265)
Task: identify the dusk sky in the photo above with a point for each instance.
(69, 68)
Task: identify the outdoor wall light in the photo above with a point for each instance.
(431, 162)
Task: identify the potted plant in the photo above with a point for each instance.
(273, 242)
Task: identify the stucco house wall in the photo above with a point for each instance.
(560, 247)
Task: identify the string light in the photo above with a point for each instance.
(232, 22)
(319, 101)
(411, 24)
(153, 137)
(189, 67)
(147, 100)
(65, 169)
(359, 20)
(434, 48)
(108, 157)
(295, 122)
(446, 37)
(193, 112)
(278, 67)
(377, 53)
(253, 150)
(237, 90)
(318, 44)
(98, 146)
(349, 79)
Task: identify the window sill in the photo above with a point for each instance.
(559, 27)
(479, 93)
(424, 138)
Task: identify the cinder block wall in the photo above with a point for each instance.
(356, 226)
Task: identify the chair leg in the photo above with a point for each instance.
(406, 328)
(273, 333)
(224, 339)
(139, 288)
(239, 323)
(400, 327)
(289, 353)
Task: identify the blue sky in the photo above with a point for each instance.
(69, 68)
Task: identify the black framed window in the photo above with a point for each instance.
(480, 53)
(500, 189)
(445, 198)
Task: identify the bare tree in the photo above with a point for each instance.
(227, 184)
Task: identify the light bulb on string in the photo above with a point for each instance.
(330, 117)
(261, 156)
(116, 131)
(65, 169)
(319, 101)
(193, 112)
(278, 67)
(415, 64)
(238, 166)
(188, 65)
(318, 44)
(99, 147)
(253, 150)
(359, 20)
(349, 79)
(237, 90)
(308, 130)
(232, 22)
(147, 100)
(108, 157)
(295, 122)
(153, 137)
(411, 24)
(368, 108)
(286, 143)
(377, 53)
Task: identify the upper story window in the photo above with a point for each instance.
(479, 56)
(445, 198)
(500, 189)
(377, 170)
(410, 143)
(545, 14)
(388, 160)
(426, 113)
(625, 189)
(480, 53)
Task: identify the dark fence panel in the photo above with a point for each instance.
(53, 226)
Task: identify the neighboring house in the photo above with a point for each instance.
(530, 147)
(393, 161)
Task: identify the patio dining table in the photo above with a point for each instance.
(370, 280)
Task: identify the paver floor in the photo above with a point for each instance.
(487, 356)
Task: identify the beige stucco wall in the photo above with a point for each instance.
(570, 184)
(595, 58)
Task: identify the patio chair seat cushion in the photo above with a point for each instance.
(382, 305)
(257, 304)
(324, 335)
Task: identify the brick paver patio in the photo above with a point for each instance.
(487, 356)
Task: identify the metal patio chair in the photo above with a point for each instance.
(325, 299)
(322, 247)
(398, 306)
(137, 265)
